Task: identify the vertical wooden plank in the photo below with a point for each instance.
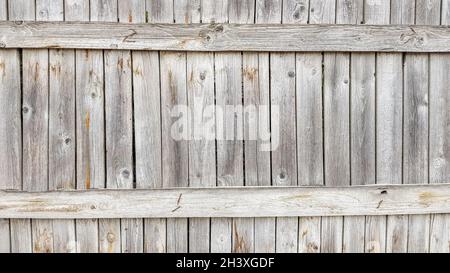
(187, 11)
(416, 129)
(336, 123)
(5, 243)
(34, 173)
(390, 124)
(403, 12)
(283, 126)
(267, 11)
(284, 161)
(147, 124)
(148, 139)
(229, 170)
(3, 10)
(309, 140)
(131, 229)
(375, 12)
(200, 97)
(175, 154)
(174, 151)
(439, 133)
(323, 11)
(118, 111)
(296, 11)
(76, 10)
(229, 152)
(214, 11)
(352, 12)
(439, 148)
(445, 17)
(61, 120)
(308, 122)
(202, 150)
(50, 10)
(428, 12)
(242, 12)
(159, 11)
(62, 138)
(415, 135)
(10, 134)
(155, 230)
(106, 10)
(90, 125)
(22, 10)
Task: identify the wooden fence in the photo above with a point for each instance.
(87, 163)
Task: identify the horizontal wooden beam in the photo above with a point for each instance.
(225, 37)
(228, 202)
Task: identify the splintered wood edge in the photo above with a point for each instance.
(228, 202)
(225, 37)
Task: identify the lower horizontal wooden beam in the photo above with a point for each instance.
(228, 202)
(225, 37)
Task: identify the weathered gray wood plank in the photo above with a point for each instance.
(439, 132)
(25, 10)
(108, 229)
(230, 154)
(258, 163)
(242, 229)
(336, 130)
(8, 143)
(415, 139)
(175, 149)
(376, 12)
(10, 132)
(228, 202)
(226, 37)
(402, 12)
(90, 127)
(62, 138)
(202, 150)
(439, 143)
(187, 11)
(155, 230)
(132, 229)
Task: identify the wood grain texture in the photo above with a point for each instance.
(90, 127)
(132, 229)
(109, 229)
(226, 37)
(336, 142)
(265, 237)
(415, 139)
(202, 150)
(10, 133)
(417, 104)
(175, 151)
(229, 202)
(438, 138)
(402, 12)
(242, 229)
(375, 12)
(25, 10)
(9, 83)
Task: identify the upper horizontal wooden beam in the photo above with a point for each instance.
(225, 37)
(229, 202)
